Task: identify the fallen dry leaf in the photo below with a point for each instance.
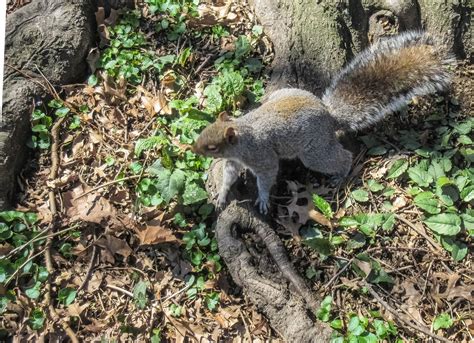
(94, 208)
(91, 208)
(363, 265)
(155, 233)
(75, 309)
(112, 245)
(295, 215)
(452, 291)
(412, 299)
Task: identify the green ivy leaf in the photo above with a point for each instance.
(33, 292)
(62, 112)
(325, 309)
(467, 194)
(377, 151)
(337, 324)
(193, 193)
(242, 47)
(420, 175)
(321, 245)
(427, 202)
(214, 101)
(212, 300)
(374, 186)
(92, 80)
(448, 224)
(397, 169)
(139, 294)
(468, 221)
(67, 295)
(169, 185)
(360, 195)
(459, 251)
(37, 319)
(321, 204)
(354, 326)
(443, 321)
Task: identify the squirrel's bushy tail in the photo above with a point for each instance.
(384, 77)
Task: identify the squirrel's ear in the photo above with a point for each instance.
(230, 135)
(223, 116)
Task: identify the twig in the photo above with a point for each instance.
(39, 237)
(390, 309)
(49, 241)
(50, 86)
(203, 64)
(247, 330)
(29, 77)
(168, 297)
(348, 263)
(428, 238)
(121, 290)
(21, 267)
(90, 268)
(131, 177)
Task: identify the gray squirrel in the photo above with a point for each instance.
(294, 123)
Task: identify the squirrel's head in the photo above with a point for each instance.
(215, 139)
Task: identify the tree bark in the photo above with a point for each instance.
(315, 39)
(52, 37)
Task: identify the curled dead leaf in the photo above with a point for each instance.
(297, 215)
(112, 245)
(154, 233)
(363, 265)
(75, 309)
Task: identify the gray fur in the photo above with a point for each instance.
(294, 123)
(357, 114)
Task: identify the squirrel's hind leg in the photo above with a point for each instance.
(330, 159)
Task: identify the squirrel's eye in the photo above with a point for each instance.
(212, 148)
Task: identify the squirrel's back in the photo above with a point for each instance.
(384, 77)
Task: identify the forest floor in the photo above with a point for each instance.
(126, 251)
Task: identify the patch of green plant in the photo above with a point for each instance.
(127, 55)
(320, 241)
(438, 177)
(442, 182)
(20, 239)
(173, 15)
(41, 125)
(370, 269)
(42, 122)
(37, 319)
(236, 80)
(67, 295)
(219, 31)
(140, 297)
(443, 321)
(201, 251)
(366, 329)
(369, 223)
(357, 328)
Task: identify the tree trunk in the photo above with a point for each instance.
(313, 39)
(51, 37)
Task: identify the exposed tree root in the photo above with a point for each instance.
(268, 278)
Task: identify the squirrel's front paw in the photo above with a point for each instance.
(263, 204)
(221, 201)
